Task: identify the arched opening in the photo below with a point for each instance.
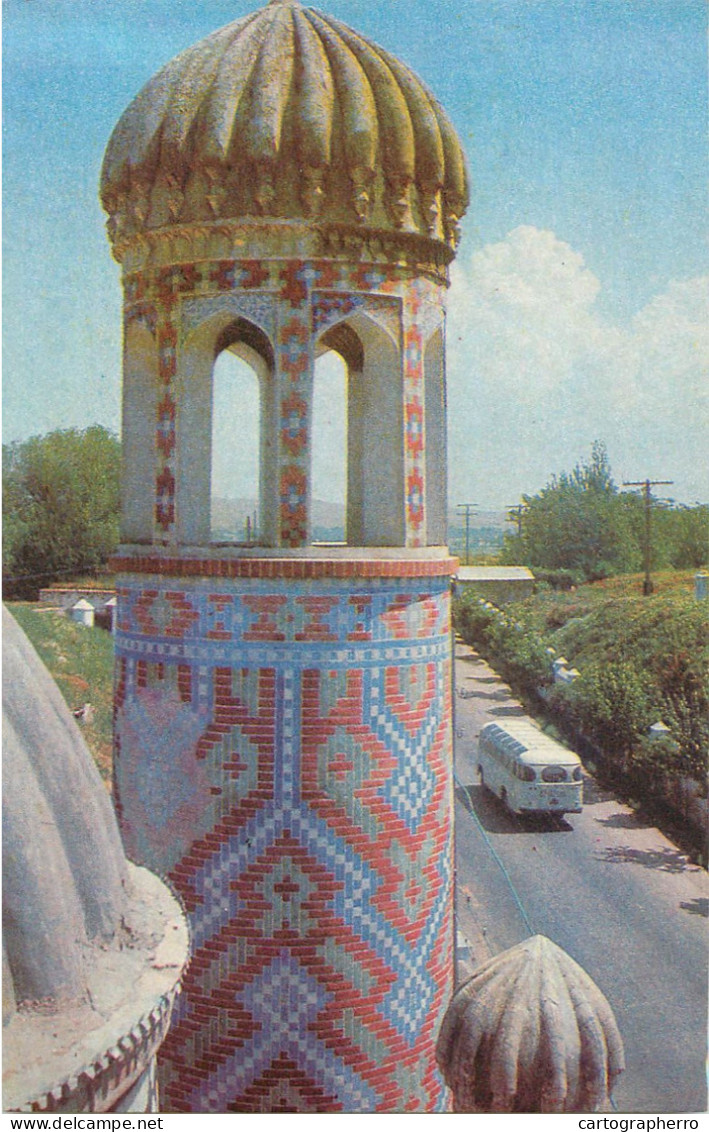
(329, 449)
(225, 469)
(371, 405)
(236, 430)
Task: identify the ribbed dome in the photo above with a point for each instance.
(530, 1032)
(92, 945)
(286, 113)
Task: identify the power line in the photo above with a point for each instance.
(467, 508)
(646, 485)
(465, 799)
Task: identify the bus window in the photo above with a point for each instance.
(554, 774)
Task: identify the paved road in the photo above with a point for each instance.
(619, 897)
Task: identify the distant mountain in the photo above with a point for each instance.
(229, 518)
(456, 519)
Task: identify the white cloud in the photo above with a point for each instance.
(536, 373)
(522, 309)
(670, 337)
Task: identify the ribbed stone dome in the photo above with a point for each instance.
(530, 1032)
(93, 946)
(285, 114)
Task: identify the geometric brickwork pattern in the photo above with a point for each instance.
(293, 301)
(283, 758)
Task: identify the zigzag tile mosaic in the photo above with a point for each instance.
(283, 758)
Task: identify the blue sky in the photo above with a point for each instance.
(579, 303)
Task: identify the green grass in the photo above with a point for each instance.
(610, 621)
(81, 661)
(550, 610)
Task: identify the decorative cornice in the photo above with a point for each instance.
(284, 239)
(98, 1086)
(421, 566)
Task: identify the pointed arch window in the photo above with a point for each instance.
(374, 431)
(236, 430)
(329, 449)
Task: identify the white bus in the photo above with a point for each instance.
(529, 771)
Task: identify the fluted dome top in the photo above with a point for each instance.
(530, 1032)
(286, 113)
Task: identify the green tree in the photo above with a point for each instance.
(60, 506)
(687, 535)
(679, 535)
(577, 523)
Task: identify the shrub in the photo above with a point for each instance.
(612, 704)
(560, 579)
(516, 651)
(522, 658)
(688, 720)
(652, 762)
(474, 620)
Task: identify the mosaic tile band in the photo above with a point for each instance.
(283, 758)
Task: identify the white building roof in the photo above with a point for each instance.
(494, 574)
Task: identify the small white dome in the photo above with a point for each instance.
(530, 1032)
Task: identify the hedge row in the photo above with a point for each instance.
(516, 652)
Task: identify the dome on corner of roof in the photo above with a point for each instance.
(288, 114)
(530, 1032)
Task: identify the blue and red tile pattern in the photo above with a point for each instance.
(283, 758)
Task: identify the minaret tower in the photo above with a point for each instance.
(283, 749)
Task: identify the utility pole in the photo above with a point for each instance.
(514, 515)
(646, 485)
(467, 508)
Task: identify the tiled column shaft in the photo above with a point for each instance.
(283, 758)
